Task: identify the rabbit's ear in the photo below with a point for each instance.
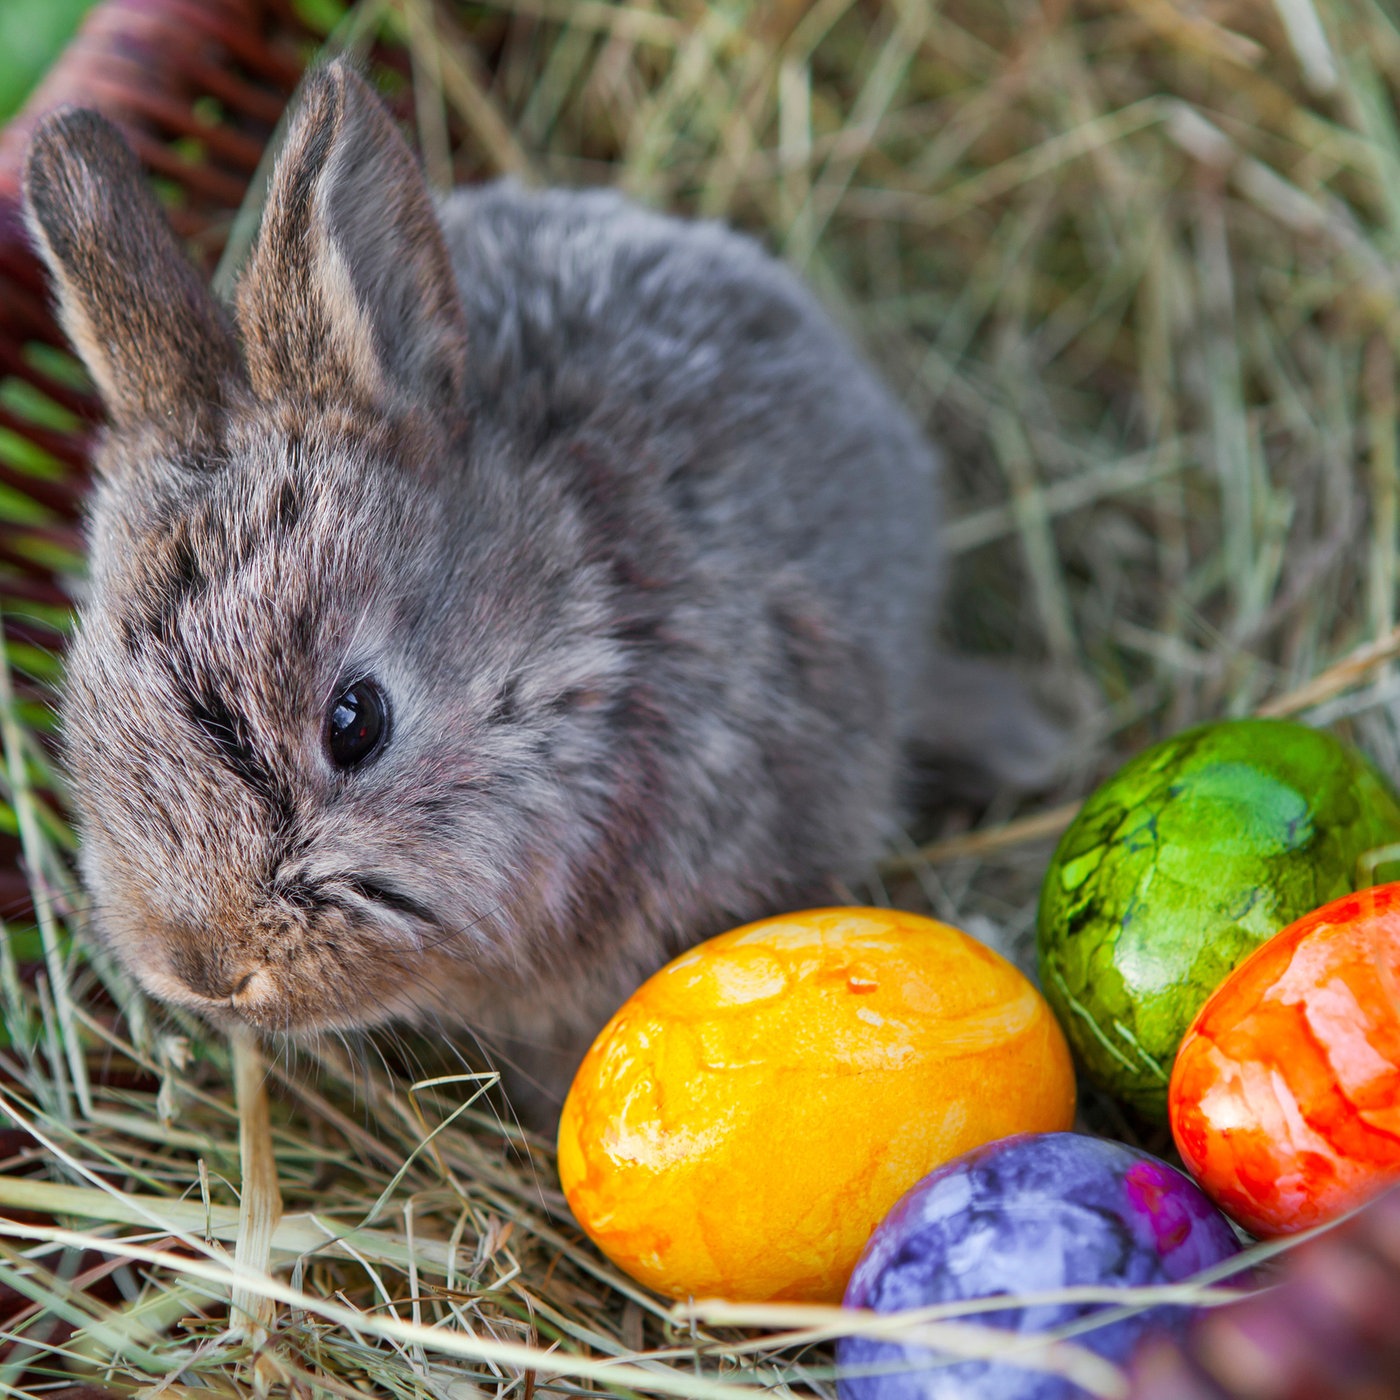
(152, 336)
(349, 288)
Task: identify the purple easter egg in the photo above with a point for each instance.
(1027, 1214)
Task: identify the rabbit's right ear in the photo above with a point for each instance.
(156, 343)
(349, 290)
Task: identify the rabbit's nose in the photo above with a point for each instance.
(211, 974)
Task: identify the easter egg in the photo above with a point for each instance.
(1285, 1099)
(1031, 1214)
(1180, 866)
(745, 1119)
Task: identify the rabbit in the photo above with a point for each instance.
(514, 590)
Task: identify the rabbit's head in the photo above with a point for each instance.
(280, 765)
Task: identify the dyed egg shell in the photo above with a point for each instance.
(743, 1122)
(1180, 866)
(1285, 1099)
(1030, 1214)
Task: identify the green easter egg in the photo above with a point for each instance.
(1183, 863)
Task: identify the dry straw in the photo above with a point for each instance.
(1137, 266)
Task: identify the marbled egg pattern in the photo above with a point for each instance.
(752, 1111)
(1179, 866)
(1029, 1214)
(1285, 1099)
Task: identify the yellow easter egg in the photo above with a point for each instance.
(751, 1112)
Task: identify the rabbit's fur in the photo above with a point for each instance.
(641, 553)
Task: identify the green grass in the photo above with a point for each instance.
(31, 34)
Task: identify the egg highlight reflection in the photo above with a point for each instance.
(748, 1116)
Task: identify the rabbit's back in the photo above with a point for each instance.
(715, 378)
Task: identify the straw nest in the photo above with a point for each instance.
(1137, 266)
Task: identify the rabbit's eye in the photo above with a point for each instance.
(357, 724)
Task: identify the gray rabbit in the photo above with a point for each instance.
(529, 587)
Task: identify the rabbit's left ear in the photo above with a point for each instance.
(349, 289)
(157, 344)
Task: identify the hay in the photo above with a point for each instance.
(1137, 267)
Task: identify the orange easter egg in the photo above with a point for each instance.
(1285, 1097)
(748, 1116)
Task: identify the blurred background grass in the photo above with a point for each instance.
(31, 34)
(1135, 264)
